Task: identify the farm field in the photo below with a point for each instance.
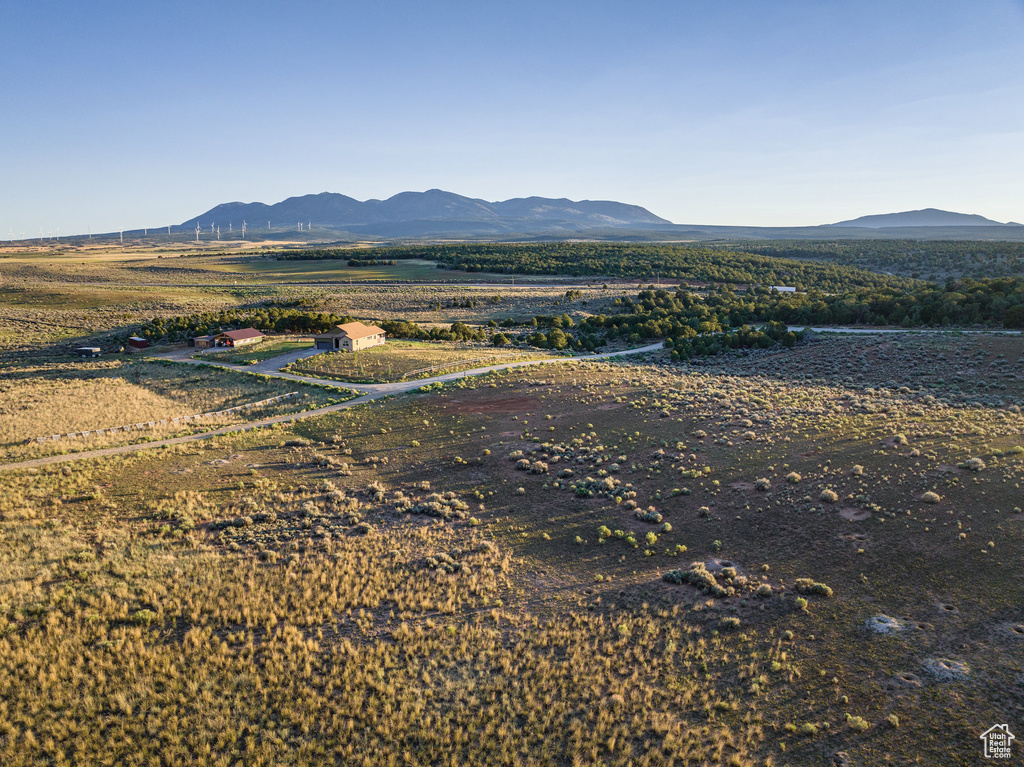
(40, 398)
(249, 355)
(404, 360)
(400, 570)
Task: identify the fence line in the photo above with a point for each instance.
(142, 426)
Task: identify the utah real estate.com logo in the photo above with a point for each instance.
(997, 740)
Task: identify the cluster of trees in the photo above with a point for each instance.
(631, 261)
(925, 259)
(371, 262)
(745, 337)
(268, 319)
(992, 303)
(458, 331)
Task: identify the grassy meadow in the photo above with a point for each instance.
(407, 360)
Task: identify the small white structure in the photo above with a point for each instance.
(783, 289)
(351, 337)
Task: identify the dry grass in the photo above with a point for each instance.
(401, 360)
(42, 399)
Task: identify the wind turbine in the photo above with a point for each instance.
(211, 227)
(168, 230)
(308, 225)
(218, 232)
(198, 228)
(243, 228)
(268, 226)
(10, 233)
(229, 228)
(121, 230)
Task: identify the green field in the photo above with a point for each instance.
(404, 360)
(250, 355)
(270, 270)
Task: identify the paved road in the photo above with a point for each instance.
(368, 392)
(877, 331)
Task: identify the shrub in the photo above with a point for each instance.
(974, 464)
(808, 586)
(763, 484)
(828, 495)
(730, 623)
(857, 723)
(764, 590)
(931, 497)
(793, 477)
(857, 470)
(698, 576)
(650, 516)
(801, 603)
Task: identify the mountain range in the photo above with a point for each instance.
(436, 214)
(432, 212)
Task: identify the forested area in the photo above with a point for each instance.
(631, 261)
(919, 259)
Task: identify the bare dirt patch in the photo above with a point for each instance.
(854, 515)
(508, 405)
(742, 485)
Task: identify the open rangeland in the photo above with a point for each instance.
(407, 360)
(95, 398)
(805, 551)
(617, 563)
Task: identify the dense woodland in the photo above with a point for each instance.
(920, 259)
(622, 261)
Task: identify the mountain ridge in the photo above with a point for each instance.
(338, 211)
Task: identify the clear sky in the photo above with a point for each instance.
(760, 112)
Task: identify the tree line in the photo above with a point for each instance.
(629, 261)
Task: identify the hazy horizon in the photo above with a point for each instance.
(788, 114)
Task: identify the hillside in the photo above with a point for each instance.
(925, 217)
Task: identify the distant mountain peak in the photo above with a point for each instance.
(924, 217)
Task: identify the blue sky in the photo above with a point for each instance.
(735, 112)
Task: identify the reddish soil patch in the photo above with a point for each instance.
(742, 485)
(854, 515)
(947, 469)
(509, 405)
(610, 406)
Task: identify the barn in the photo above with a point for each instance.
(242, 337)
(351, 337)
